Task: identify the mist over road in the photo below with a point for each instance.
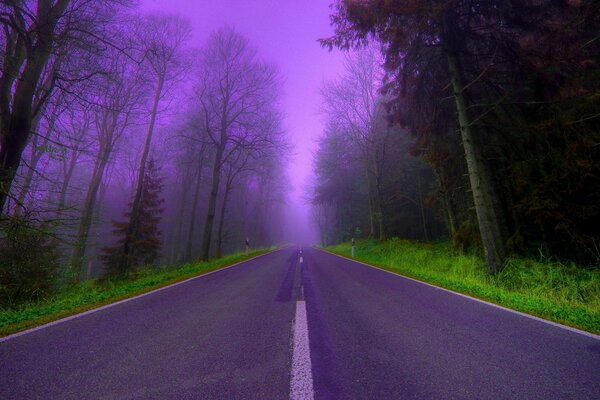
(310, 325)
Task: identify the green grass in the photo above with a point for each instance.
(92, 294)
(564, 293)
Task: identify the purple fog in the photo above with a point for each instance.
(162, 132)
(286, 34)
(299, 199)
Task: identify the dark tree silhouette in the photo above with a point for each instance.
(145, 244)
(506, 66)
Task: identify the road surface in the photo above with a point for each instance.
(324, 328)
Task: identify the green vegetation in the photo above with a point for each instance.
(564, 293)
(93, 294)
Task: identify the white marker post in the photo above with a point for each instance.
(352, 247)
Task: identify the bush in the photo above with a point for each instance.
(28, 261)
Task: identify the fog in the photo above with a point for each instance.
(163, 132)
(286, 34)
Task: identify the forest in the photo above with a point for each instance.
(299, 199)
(123, 145)
(126, 144)
(477, 121)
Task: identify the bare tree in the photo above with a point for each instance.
(232, 170)
(163, 37)
(118, 100)
(43, 128)
(234, 91)
(352, 104)
(198, 184)
(79, 125)
(39, 41)
(187, 178)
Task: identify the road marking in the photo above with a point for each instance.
(545, 321)
(93, 310)
(301, 385)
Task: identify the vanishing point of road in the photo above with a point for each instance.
(301, 324)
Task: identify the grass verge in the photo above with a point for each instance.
(92, 294)
(563, 293)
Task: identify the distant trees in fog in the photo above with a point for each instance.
(88, 93)
(236, 96)
(367, 182)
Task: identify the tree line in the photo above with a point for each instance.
(122, 145)
(489, 108)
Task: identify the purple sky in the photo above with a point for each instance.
(285, 33)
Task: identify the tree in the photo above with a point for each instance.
(163, 55)
(144, 245)
(353, 103)
(43, 127)
(118, 99)
(79, 125)
(405, 29)
(38, 44)
(196, 199)
(235, 91)
(506, 65)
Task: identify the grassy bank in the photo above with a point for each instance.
(563, 293)
(92, 294)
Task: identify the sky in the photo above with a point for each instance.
(285, 32)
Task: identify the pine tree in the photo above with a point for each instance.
(139, 240)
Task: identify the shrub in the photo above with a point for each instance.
(28, 261)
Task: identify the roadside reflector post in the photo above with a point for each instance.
(353, 247)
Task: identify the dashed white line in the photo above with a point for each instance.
(301, 386)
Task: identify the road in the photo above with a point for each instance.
(324, 328)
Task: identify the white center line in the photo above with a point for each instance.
(301, 386)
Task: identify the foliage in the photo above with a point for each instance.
(530, 72)
(563, 292)
(28, 261)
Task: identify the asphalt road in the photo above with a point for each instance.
(326, 328)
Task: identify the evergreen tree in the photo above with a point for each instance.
(139, 240)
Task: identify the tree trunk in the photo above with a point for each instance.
(135, 208)
(15, 127)
(374, 188)
(379, 210)
(177, 255)
(422, 209)
(480, 183)
(86, 216)
(11, 153)
(212, 201)
(188, 249)
(371, 207)
(35, 157)
(222, 220)
(261, 208)
(67, 180)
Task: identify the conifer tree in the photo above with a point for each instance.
(143, 246)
